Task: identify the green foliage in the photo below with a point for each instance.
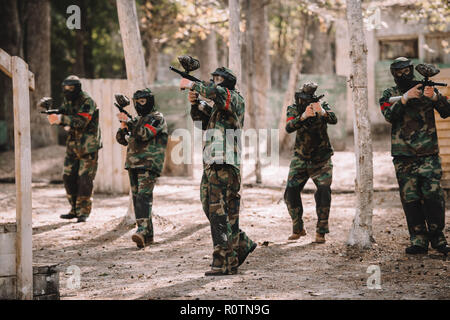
(99, 37)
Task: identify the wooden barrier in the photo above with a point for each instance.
(111, 176)
(443, 130)
(22, 285)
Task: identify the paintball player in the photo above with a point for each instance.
(146, 137)
(312, 159)
(79, 115)
(415, 152)
(221, 181)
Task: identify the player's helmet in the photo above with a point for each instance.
(144, 109)
(229, 77)
(71, 80)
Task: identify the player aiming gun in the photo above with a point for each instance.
(427, 71)
(305, 97)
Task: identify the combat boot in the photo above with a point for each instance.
(443, 249)
(142, 236)
(252, 248)
(320, 238)
(73, 212)
(82, 218)
(218, 272)
(69, 215)
(416, 250)
(295, 236)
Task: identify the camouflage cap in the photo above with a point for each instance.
(400, 63)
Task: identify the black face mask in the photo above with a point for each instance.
(72, 95)
(404, 82)
(143, 109)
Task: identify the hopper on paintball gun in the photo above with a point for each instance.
(189, 64)
(121, 102)
(46, 103)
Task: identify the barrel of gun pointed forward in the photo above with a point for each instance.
(184, 74)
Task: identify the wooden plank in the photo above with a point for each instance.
(7, 254)
(117, 165)
(444, 142)
(105, 90)
(22, 150)
(445, 125)
(45, 284)
(6, 67)
(442, 134)
(8, 288)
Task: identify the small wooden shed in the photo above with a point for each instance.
(443, 130)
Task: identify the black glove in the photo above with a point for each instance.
(120, 136)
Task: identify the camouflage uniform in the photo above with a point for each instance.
(417, 164)
(312, 159)
(83, 143)
(221, 181)
(145, 158)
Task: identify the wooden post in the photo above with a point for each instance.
(22, 149)
(134, 59)
(361, 232)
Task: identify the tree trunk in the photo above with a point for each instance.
(234, 57)
(258, 81)
(11, 42)
(38, 58)
(322, 59)
(208, 55)
(134, 60)
(152, 60)
(284, 138)
(361, 232)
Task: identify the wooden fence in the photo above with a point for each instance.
(443, 130)
(111, 176)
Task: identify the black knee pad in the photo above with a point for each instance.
(85, 185)
(70, 183)
(142, 207)
(292, 196)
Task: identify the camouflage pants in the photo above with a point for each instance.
(299, 172)
(142, 183)
(78, 177)
(422, 198)
(219, 194)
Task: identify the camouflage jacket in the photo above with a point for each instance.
(311, 142)
(223, 124)
(413, 131)
(82, 117)
(147, 142)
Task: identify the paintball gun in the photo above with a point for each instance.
(47, 103)
(427, 71)
(189, 64)
(307, 96)
(121, 102)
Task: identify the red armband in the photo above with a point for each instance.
(86, 115)
(149, 127)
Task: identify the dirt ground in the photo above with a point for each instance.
(173, 268)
